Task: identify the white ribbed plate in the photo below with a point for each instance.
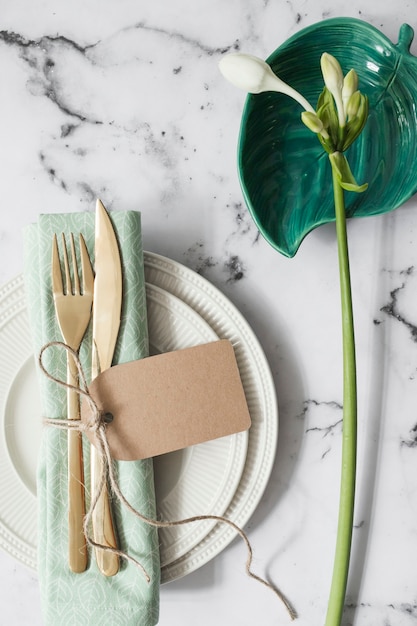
(201, 479)
(181, 554)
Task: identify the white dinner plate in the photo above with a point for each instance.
(201, 478)
(197, 313)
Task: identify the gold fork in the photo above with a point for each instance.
(73, 307)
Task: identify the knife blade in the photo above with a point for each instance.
(107, 304)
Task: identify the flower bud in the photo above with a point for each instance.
(357, 121)
(333, 79)
(350, 85)
(245, 71)
(353, 104)
(312, 121)
(255, 76)
(332, 73)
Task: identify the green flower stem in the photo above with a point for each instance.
(348, 474)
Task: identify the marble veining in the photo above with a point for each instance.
(125, 101)
(392, 308)
(411, 440)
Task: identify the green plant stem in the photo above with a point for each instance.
(348, 473)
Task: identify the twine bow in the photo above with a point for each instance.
(97, 424)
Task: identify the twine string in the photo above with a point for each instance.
(97, 425)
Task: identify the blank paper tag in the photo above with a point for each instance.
(171, 401)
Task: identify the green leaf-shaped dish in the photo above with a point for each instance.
(284, 172)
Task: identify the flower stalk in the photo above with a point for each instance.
(340, 117)
(349, 435)
(343, 111)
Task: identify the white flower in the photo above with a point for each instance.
(353, 104)
(252, 74)
(314, 123)
(333, 79)
(350, 85)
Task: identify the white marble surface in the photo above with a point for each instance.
(123, 100)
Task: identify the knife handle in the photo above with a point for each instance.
(103, 527)
(77, 548)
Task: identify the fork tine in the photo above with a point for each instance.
(87, 270)
(76, 283)
(68, 287)
(57, 286)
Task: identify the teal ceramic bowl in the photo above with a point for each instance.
(285, 174)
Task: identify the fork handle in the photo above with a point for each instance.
(77, 548)
(103, 527)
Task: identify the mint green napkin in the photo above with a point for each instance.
(90, 598)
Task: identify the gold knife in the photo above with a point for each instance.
(107, 306)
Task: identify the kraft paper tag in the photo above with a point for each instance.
(170, 401)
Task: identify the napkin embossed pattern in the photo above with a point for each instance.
(126, 599)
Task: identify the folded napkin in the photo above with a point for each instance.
(89, 598)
